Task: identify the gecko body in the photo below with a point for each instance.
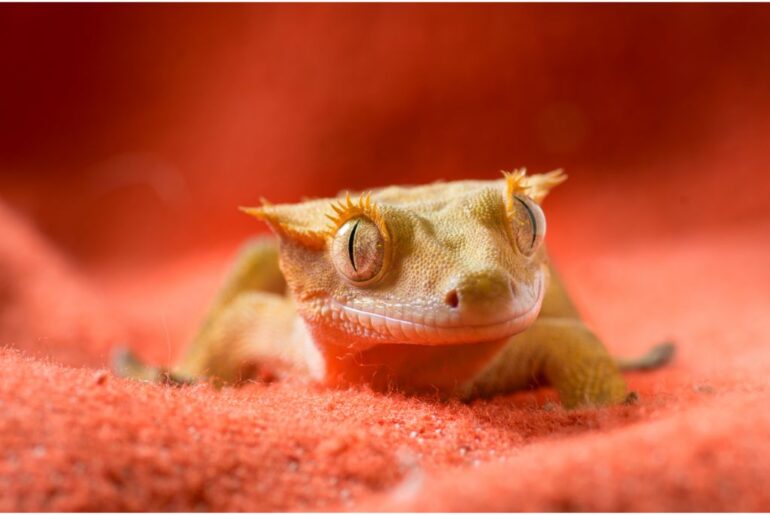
(444, 287)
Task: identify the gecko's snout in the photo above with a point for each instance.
(489, 286)
(490, 296)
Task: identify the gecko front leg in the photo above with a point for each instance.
(250, 324)
(578, 365)
(561, 352)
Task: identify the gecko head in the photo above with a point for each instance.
(446, 263)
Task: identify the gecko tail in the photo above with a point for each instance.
(656, 357)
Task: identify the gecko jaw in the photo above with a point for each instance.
(422, 328)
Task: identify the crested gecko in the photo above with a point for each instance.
(444, 287)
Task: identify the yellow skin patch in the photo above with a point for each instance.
(443, 287)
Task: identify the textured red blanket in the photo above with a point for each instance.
(76, 438)
(137, 131)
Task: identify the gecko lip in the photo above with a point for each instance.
(390, 329)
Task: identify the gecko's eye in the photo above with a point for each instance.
(528, 224)
(358, 250)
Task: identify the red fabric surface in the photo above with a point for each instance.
(135, 131)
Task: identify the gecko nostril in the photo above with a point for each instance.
(452, 299)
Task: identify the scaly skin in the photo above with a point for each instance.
(444, 287)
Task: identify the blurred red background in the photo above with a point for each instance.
(131, 133)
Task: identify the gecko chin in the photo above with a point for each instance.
(362, 324)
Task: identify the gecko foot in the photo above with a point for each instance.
(127, 364)
(632, 399)
(656, 357)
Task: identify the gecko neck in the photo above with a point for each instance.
(405, 367)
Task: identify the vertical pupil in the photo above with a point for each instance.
(531, 220)
(351, 242)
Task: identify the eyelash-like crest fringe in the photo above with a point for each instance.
(515, 183)
(535, 187)
(346, 208)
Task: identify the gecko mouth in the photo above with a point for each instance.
(405, 324)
